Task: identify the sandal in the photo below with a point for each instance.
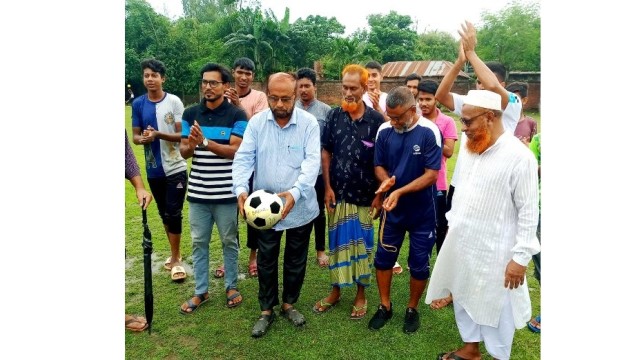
(253, 269)
(135, 319)
(262, 325)
(450, 356)
(356, 309)
(219, 272)
(168, 261)
(191, 306)
(322, 306)
(397, 269)
(323, 261)
(534, 324)
(293, 315)
(230, 298)
(178, 274)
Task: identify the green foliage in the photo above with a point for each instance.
(314, 37)
(437, 45)
(223, 30)
(392, 34)
(512, 37)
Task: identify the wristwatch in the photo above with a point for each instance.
(203, 144)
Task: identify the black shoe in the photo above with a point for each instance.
(411, 320)
(262, 325)
(381, 317)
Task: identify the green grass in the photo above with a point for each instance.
(215, 332)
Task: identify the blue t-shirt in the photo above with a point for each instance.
(407, 156)
(162, 158)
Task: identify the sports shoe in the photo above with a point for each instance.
(381, 317)
(411, 320)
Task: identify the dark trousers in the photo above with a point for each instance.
(320, 223)
(252, 233)
(294, 267)
(537, 257)
(441, 220)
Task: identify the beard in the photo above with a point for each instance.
(282, 113)
(480, 142)
(349, 106)
(401, 130)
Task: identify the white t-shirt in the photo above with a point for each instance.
(382, 102)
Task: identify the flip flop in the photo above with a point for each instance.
(168, 261)
(178, 274)
(219, 272)
(324, 306)
(137, 320)
(356, 309)
(450, 356)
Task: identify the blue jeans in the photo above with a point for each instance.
(201, 220)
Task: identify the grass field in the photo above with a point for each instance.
(215, 332)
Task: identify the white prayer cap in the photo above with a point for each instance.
(484, 99)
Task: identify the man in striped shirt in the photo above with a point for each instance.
(211, 134)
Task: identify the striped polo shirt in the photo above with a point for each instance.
(210, 176)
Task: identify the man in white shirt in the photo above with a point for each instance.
(492, 233)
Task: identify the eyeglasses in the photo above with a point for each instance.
(397, 118)
(275, 99)
(467, 122)
(213, 83)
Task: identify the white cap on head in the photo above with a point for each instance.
(484, 99)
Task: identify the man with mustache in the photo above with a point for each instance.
(491, 76)
(281, 148)
(306, 89)
(492, 233)
(212, 133)
(252, 101)
(349, 181)
(407, 160)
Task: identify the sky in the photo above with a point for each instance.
(429, 15)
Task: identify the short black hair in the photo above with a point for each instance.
(154, 65)
(519, 87)
(412, 76)
(225, 74)
(245, 64)
(373, 65)
(306, 73)
(428, 86)
(498, 69)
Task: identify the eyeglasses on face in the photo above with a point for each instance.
(467, 122)
(274, 99)
(397, 118)
(213, 83)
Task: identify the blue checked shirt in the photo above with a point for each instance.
(283, 159)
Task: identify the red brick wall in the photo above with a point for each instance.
(330, 91)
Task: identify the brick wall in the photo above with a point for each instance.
(330, 91)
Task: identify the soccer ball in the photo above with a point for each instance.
(263, 209)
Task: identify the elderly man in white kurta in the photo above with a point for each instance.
(492, 233)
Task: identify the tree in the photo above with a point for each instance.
(512, 37)
(313, 37)
(392, 34)
(437, 45)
